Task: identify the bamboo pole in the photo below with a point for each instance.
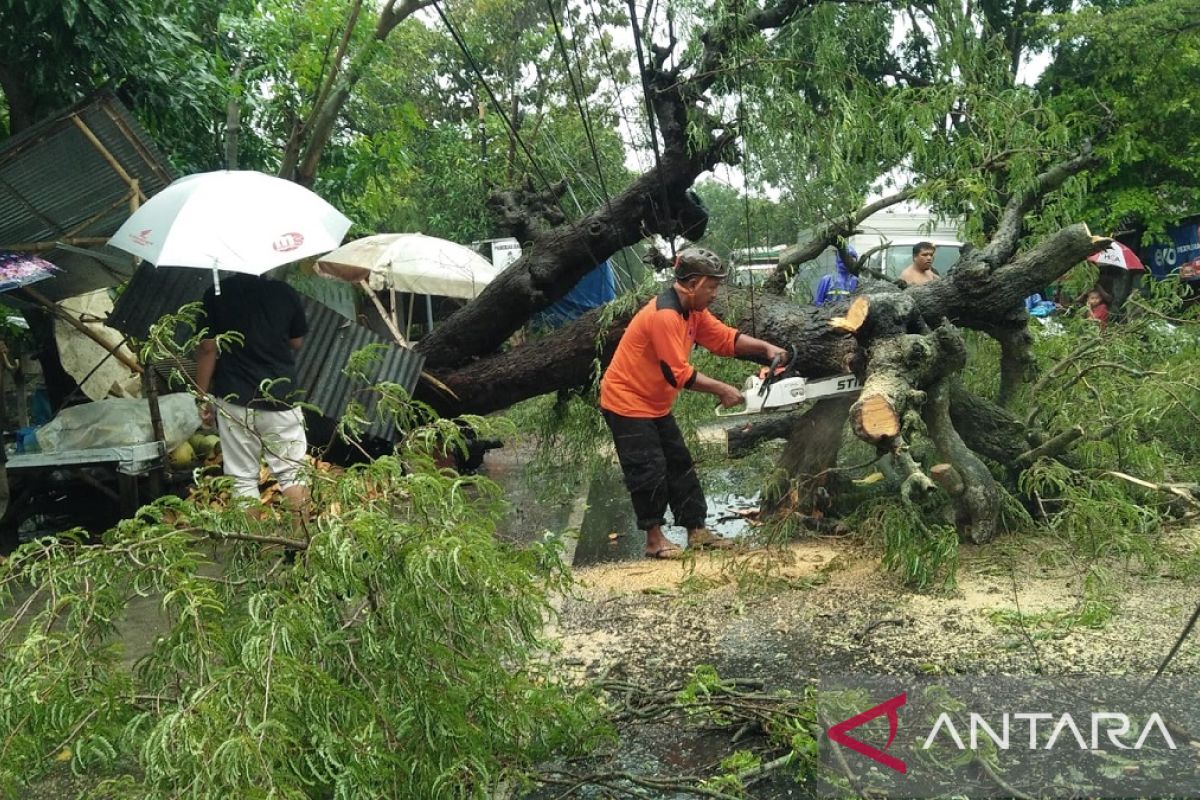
(42, 301)
(107, 156)
(387, 319)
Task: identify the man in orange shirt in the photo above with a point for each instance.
(647, 373)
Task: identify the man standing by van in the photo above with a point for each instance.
(921, 269)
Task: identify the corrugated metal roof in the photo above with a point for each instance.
(320, 364)
(57, 183)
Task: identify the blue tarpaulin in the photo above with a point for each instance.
(1181, 253)
(593, 290)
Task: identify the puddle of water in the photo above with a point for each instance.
(610, 511)
(529, 517)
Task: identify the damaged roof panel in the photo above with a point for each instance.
(320, 364)
(67, 184)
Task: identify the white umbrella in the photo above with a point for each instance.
(239, 221)
(411, 262)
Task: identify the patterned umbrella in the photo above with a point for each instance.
(1120, 256)
(22, 269)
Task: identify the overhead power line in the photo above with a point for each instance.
(584, 117)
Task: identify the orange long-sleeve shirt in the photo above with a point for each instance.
(651, 366)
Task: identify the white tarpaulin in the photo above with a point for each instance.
(80, 355)
(411, 262)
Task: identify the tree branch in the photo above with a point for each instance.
(825, 236)
(1011, 225)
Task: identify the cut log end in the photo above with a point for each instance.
(946, 476)
(877, 419)
(856, 315)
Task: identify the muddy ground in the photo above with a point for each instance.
(821, 608)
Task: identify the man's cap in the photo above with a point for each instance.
(696, 261)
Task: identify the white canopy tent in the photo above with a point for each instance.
(412, 263)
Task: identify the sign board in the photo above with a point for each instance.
(501, 252)
(1181, 252)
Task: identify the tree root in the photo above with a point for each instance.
(965, 477)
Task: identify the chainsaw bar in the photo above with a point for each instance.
(760, 395)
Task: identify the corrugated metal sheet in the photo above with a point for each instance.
(327, 348)
(155, 291)
(57, 184)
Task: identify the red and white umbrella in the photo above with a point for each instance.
(1119, 256)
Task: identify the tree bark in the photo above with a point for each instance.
(553, 262)
(989, 429)
(812, 449)
(968, 296)
(565, 359)
(303, 154)
(964, 476)
(825, 236)
(741, 439)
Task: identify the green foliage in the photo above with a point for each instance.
(788, 720)
(737, 220)
(392, 658)
(384, 644)
(1056, 624)
(1145, 99)
(922, 552)
(151, 52)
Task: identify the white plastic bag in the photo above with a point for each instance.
(119, 421)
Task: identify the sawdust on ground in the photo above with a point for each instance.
(822, 607)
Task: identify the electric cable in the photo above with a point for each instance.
(577, 91)
(641, 57)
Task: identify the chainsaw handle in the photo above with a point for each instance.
(721, 411)
(770, 376)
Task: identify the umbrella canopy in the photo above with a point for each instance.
(411, 262)
(1119, 256)
(22, 269)
(239, 221)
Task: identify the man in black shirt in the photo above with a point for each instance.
(253, 383)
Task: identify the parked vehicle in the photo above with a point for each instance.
(897, 253)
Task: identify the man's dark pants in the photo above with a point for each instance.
(658, 470)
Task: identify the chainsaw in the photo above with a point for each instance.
(773, 389)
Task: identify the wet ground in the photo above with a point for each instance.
(600, 513)
(609, 530)
(821, 609)
(815, 608)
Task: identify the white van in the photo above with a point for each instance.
(897, 229)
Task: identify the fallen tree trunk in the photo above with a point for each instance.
(829, 341)
(896, 340)
(741, 439)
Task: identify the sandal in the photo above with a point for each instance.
(704, 539)
(668, 553)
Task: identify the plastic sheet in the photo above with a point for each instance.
(119, 421)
